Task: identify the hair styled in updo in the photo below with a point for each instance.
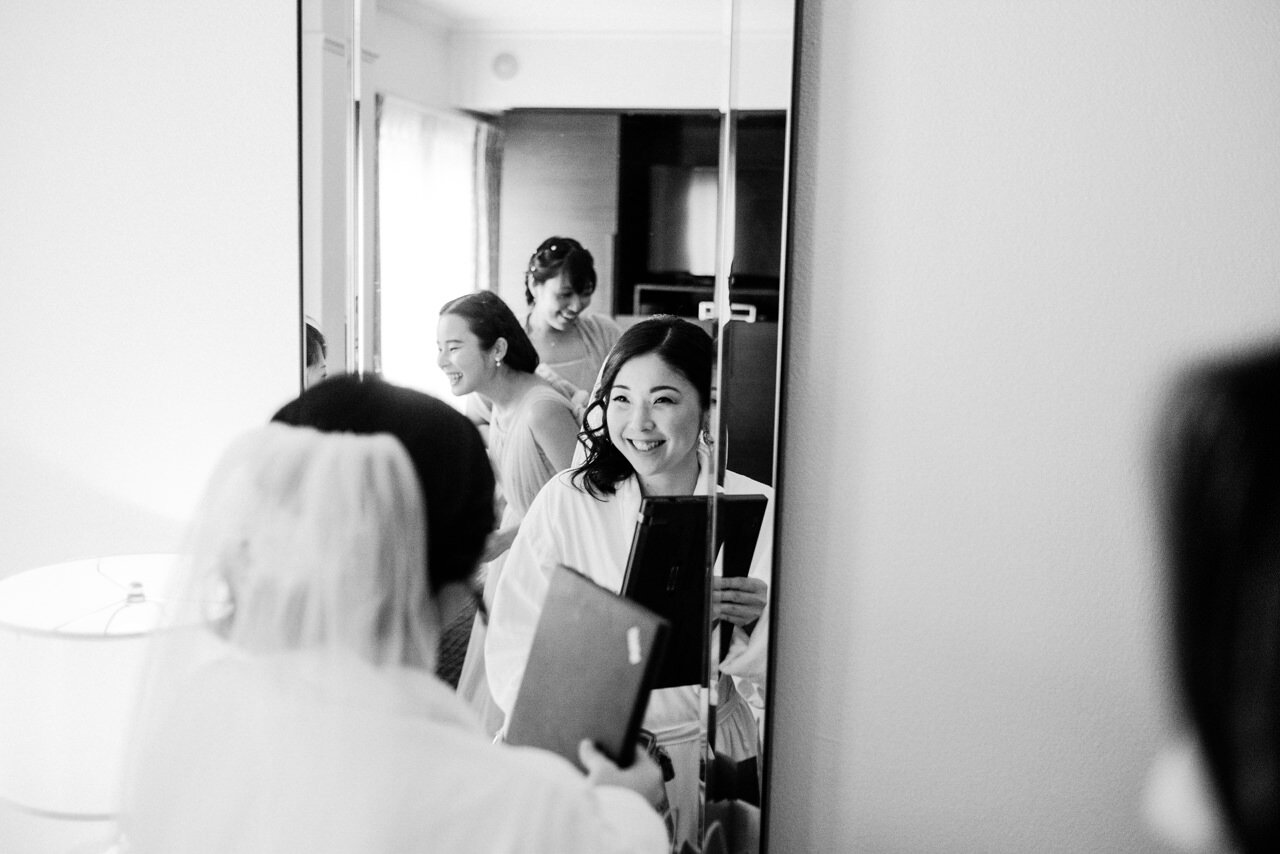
(685, 347)
(490, 318)
(560, 256)
(444, 446)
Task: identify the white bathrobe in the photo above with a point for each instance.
(566, 525)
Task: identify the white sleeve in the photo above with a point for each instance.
(748, 656)
(518, 598)
(630, 822)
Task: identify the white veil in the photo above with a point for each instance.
(305, 632)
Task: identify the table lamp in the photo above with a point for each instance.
(73, 640)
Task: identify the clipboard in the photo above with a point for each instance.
(591, 666)
(667, 569)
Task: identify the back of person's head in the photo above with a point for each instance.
(445, 448)
(684, 346)
(560, 257)
(489, 318)
(317, 540)
(317, 349)
(1221, 473)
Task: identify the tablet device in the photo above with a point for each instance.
(667, 569)
(591, 666)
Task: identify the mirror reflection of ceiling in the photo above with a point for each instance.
(605, 54)
(675, 16)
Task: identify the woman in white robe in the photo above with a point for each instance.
(291, 704)
(654, 395)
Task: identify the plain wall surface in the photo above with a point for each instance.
(150, 261)
(148, 270)
(1014, 220)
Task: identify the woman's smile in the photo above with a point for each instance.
(654, 418)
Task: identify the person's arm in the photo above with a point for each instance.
(555, 430)
(642, 776)
(739, 601)
(556, 381)
(480, 412)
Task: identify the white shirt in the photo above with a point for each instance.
(257, 757)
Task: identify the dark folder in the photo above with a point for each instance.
(667, 569)
(591, 666)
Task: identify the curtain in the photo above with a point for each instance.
(436, 208)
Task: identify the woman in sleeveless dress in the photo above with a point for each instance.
(558, 285)
(532, 430)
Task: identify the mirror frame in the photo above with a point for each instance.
(360, 345)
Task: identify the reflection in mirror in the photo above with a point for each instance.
(488, 126)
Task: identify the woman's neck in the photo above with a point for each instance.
(508, 387)
(681, 481)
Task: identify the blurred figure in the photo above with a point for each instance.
(317, 355)
(1219, 788)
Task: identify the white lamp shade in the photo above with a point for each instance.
(73, 640)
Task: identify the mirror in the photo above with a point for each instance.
(655, 133)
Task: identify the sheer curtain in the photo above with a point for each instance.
(435, 209)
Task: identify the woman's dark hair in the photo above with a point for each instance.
(490, 318)
(685, 346)
(444, 446)
(1221, 472)
(316, 348)
(560, 256)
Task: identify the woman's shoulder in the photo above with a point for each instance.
(600, 327)
(544, 398)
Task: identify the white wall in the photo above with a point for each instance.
(148, 270)
(1014, 220)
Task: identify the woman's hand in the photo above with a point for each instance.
(643, 776)
(739, 601)
(498, 542)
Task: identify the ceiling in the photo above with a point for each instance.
(648, 16)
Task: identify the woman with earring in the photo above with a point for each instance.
(532, 430)
(559, 282)
(645, 435)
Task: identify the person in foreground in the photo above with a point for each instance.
(290, 705)
(654, 395)
(1218, 787)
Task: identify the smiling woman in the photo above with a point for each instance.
(600, 111)
(655, 395)
(483, 349)
(558, 286)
